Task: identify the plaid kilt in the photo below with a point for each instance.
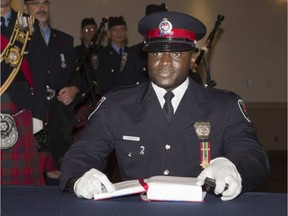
(21, 164)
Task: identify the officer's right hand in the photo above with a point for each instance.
(91, 183)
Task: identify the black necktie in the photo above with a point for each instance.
(168, 108)
(3, 24)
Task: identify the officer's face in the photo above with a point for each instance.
(38, 9)
(168, 70)
(118, 34)
(5, 3)
(88, 32)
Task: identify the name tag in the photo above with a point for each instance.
(131, 138)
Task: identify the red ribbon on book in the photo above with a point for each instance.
(144, 184)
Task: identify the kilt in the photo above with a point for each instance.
(21, 164)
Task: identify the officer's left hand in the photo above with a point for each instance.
(67, 94)
(224, 172)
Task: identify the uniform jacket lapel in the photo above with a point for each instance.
(11, 24)
(189, 110)
(150, 110)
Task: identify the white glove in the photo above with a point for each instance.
(224, 172)
(91, 183)
(37, 125)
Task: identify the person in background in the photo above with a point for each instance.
(21, 94)
(141, 57)
(116, 64)
(170, 125)
(61, 84)
(87, 61)
(89, 73)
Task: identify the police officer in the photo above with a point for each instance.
(87, 61)
(169, 126)
(116, 62)
(57, 48)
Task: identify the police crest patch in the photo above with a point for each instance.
(243, 109)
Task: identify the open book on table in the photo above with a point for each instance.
(158, 188)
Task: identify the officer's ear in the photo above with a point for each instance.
(193, 59)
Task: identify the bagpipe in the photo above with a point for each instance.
(206, 49)
(81, 63)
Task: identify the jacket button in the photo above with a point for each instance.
(167, 147)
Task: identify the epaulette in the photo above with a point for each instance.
(221, 91)
(126, 87)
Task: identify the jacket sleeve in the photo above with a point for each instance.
(92, 148)
(242, 147)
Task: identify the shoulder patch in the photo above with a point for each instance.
(98, 105)
(243, 109)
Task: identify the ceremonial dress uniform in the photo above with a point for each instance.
(118, 70)
(170, 125)
(21, 164)
(57, 48)
(88, 72)
(132, 122)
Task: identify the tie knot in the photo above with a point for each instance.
(168, 96)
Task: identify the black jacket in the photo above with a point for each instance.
(111, 76)
(132, 122)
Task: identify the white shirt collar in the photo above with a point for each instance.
(178, 92)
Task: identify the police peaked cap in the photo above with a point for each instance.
(88, 21)
(113, 21)
(170, 31)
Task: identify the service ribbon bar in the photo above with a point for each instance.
(202, 130)
(205, 154)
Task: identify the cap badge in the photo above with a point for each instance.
(165, 27)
